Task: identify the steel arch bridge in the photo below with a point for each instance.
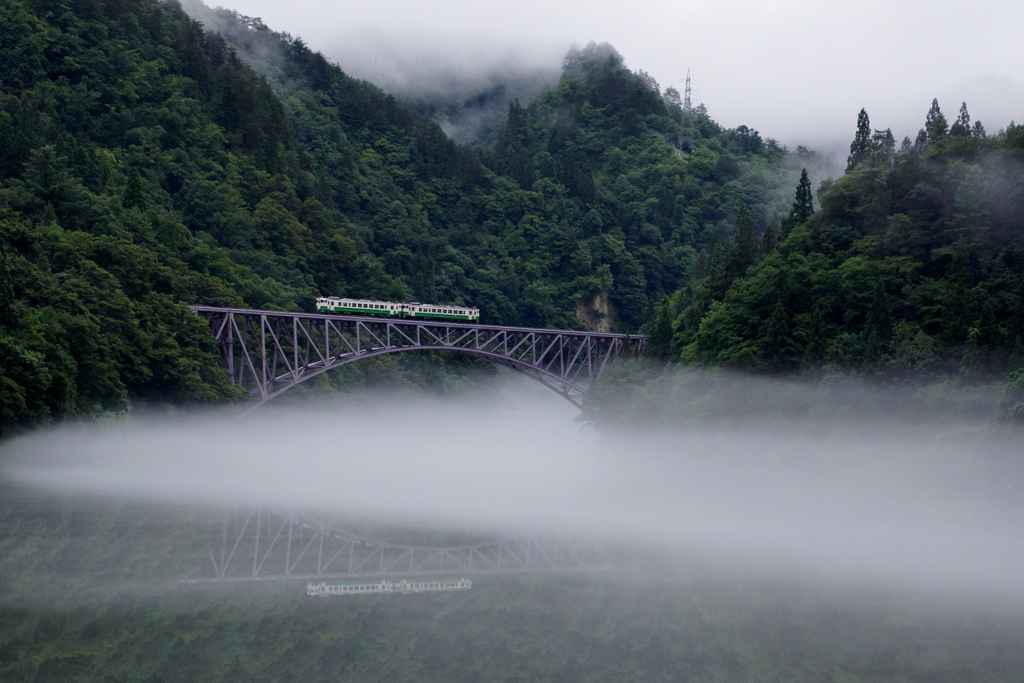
(269, 352)
(264, 543)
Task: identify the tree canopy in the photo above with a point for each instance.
(150, 164)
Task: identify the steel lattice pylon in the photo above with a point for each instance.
(269, 352)
(265, 543)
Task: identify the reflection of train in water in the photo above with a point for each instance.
(390, 309)
(403, 586)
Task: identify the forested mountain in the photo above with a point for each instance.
(913, 263)
(148, 164)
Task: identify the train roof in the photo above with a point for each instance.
(403, 303)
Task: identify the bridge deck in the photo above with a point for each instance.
(415, 321)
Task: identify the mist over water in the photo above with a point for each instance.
(916, 504)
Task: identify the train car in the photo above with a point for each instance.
(333, 304)
(437, 311)
(391, 309)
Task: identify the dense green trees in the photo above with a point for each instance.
(149, 164)
(640, 211)
(914, 263)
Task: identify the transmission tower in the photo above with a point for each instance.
(685, 143)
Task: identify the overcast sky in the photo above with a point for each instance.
(797, 70)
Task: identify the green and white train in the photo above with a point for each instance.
(390, 309)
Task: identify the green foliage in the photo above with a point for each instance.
(599, 150)
(151, 164)
(860, 148)
(1011, 404)
(914, 264)
(935, 124)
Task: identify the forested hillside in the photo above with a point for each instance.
(913, 263)
(148, 164)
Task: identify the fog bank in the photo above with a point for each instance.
(838, 502)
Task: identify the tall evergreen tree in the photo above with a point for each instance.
(962, 126)
(860, 148)
(769, 239)
(512, 146)
(921, 141)
(659, 336)
(803, 205)
(776, 342)
(878, 326)
(744, 249)
(883, 145)
(935, 124)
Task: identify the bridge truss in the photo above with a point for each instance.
(266, 543)
(269, 352)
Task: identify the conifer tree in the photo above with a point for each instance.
(883, 145)
(776, 343)
(921, 141)
(744, 250)
(134, 195)
(878, 327)
(962, 126)
(803, 205)
(659, 337)
(769, 240)
(673, 97)
(816, 339)
(935, 124)
(573, 60)
(512, 144)
(860, 148)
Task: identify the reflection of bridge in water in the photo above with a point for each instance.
(265, 543)
(269, 352)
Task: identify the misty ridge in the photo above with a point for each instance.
(466, 87)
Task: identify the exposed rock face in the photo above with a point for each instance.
(597, 314)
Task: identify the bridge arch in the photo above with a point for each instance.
(570, 391)
(270, 352)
